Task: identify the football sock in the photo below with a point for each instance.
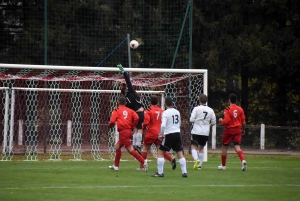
(160, 165)
(182, 162)
(118, 157)
(168, 156)
(241, 155)
(201, 158)
(137, 156)
(195, 154)
(139, 138)
(223, 160)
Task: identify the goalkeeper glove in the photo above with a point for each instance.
(121, 68)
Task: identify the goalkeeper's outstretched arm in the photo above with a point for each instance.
(127, 79)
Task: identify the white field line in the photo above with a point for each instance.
(129, 167)
(149, 186)
(124, 167)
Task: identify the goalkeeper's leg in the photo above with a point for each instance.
(139, 132)
(134, 138)
(139, 139)
(136, 143)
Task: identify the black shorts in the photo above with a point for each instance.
(141, 120)
(199, 140)
(171, 141)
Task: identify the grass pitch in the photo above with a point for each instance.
(268, 177)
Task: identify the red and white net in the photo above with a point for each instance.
(59, 112)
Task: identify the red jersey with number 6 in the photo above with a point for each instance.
(233, 116)
(152, 121)
(125, 118)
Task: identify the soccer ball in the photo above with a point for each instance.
(134, 44)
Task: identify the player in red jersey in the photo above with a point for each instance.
(152, 123)
(126, 120)
(133, 102)
(235, 124)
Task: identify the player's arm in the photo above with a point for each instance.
(127, 79)
(243, 127)
(243, 119)
(213, 120)
(193, 116)
(128, 83)
(163, 124)
(130, 87)
(113, 119)
(226, 119)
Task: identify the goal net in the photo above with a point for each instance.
(57, 110)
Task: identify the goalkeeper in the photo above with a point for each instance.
(134, 103)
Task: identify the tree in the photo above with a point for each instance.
(254, 43)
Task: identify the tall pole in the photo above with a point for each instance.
(191, 35)
(129, 54)
(191, 94)
(180, 35)
(45, 33)
(45, 63)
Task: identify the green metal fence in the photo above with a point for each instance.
(96, 33)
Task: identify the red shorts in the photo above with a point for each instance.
(125, 138)
(149, 141)
(232, 134)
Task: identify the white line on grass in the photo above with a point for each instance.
(124, 167)
(150, 186)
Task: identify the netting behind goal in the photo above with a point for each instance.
(59, 110)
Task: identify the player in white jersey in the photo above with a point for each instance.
(171, 138)
(202, 117)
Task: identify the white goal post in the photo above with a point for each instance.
(65, 109)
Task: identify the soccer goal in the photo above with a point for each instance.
(59, 110)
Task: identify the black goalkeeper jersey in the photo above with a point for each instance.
(132, 98)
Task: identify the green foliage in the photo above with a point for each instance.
(255, 43)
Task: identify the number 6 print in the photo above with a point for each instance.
(235, 113)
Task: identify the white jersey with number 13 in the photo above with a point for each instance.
(170, 121)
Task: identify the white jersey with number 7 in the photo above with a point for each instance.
(202, 117)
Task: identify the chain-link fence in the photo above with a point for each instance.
(96, 33)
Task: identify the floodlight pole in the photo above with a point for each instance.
(45, 33)
(129, 54)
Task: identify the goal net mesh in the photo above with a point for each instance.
(57, 112)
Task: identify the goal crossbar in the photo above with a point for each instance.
(97, 69)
